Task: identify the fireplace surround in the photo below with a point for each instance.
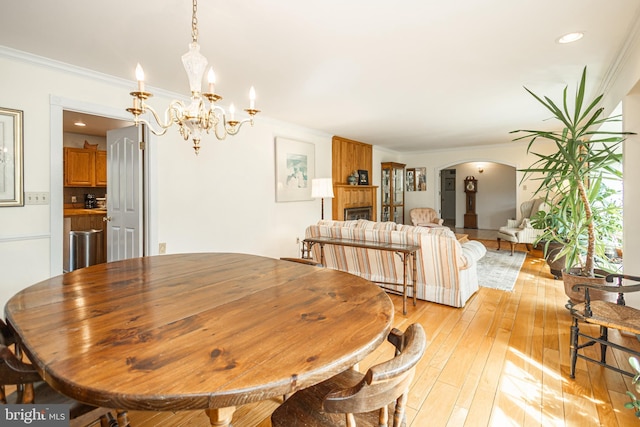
(361, 212)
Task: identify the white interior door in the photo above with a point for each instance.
(448, 195)
(124, 181)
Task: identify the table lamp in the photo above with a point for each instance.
(321, 188)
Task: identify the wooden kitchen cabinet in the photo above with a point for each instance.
(85, 167)
(101, 168)
(87, 222)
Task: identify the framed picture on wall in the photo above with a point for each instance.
(410, 179)
(421, 179)
(295, 168)
(11, 146)
(363, 177)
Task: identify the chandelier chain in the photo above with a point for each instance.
(194, 22)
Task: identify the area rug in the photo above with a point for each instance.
(499, 270)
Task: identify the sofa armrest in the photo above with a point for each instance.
(472, 251)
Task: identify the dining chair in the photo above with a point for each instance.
(607, 316)
(29, 388)
(355, 399)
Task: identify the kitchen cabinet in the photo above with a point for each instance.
(85, 167)
(88, 222)
(392, 193)
(101, 168)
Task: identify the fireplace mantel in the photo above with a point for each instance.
(349, 156)
(353, 196)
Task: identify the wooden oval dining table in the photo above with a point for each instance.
(207, 331)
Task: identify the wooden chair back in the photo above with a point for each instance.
(607, 315)
(17, 373)
(30, 388)
(383, 383)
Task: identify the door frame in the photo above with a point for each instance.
(56, 170)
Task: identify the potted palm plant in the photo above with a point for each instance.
(582, 217)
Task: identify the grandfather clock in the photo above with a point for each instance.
(470, 216)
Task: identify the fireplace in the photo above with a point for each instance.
(362, 212)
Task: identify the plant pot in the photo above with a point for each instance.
(555, 265)
(572, 278)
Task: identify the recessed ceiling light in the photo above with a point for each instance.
(570, 38)
(80, 123)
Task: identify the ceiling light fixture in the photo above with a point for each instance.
(80, 123)
(570, 37)
(201, 115)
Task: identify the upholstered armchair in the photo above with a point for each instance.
(425, 217)
(521, 231)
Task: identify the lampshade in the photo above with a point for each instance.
(321, 187)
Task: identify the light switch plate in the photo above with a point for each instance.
(38, 198)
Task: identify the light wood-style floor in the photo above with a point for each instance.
(502, 360)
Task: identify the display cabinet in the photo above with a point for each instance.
(392, 192)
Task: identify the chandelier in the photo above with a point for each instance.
(202, 115)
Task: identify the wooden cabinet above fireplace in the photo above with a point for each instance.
(349, 156)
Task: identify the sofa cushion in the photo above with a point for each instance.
(373, 225)
(332, 223)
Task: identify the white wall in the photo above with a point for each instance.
(221, 200)
(495, 199)
(631, 242)
(626, 86)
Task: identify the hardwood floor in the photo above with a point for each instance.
(502, 360)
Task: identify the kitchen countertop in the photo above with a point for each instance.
(74, 212)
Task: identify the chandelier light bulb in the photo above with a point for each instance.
(211, 79)
(232, 111)
(252, 98)
(140, 77)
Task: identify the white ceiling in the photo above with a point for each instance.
(408, 75)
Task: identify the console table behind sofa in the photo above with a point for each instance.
(446, 270)
(405, 252)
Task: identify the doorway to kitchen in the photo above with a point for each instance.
(85, 191)
(62, 131)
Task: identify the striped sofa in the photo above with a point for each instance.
(446, 269)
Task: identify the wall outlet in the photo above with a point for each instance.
(74, 199)
(162, 248)
(297, 240)
(41, 198)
